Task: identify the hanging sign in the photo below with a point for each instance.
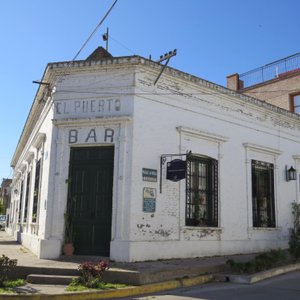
(176, 170)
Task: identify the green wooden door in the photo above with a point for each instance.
(90, 199)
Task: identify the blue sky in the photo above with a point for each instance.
(213, 38)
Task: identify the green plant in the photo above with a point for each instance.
(69, 233)
(77, 286)
(9, 285)
(294, 243)
(2, 212)
(14, 283)
(296, 214)
(69, 236)
(260, 263)
(6, 265)
(91, 274)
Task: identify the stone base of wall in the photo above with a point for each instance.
(149, 250)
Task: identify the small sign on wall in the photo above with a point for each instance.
(149, 199)
(149, 175)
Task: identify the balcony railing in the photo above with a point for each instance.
(271, 71)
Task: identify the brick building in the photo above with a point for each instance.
(277, 83)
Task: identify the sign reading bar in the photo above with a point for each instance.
(149, 175)
(176, 170)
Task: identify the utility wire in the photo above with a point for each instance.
(195, 95)
(100, 23)
(85, 43)
(122, 45)
(96, 91)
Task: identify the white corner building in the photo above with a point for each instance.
(180, 168)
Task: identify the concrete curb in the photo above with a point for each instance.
(155, 287)
(249, 279)
(118, 293)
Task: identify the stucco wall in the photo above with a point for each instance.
(178, 114)
(232, 132)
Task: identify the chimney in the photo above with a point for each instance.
(234, 82)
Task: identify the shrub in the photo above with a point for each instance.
(77, 286)
(294, 242)
(6, 265)
(260, 263)
(14, 283)
(91, 274)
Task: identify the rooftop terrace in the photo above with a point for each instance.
(270, 71)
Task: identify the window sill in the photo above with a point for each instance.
(265, 228)
(203, 228)
(196, 233)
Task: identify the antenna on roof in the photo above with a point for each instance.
(100, 23)
(105, 39)
(166, 57)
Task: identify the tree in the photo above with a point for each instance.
(2, 212)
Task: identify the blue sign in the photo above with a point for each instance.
(149, 200)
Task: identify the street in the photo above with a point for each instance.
(286, 286)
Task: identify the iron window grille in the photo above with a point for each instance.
(263, 194)
(20, 203)
(202, 192)
(27, 197)
(36, 191)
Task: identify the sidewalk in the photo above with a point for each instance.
(137, 274)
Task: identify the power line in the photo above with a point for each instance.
(100, 23)
(93, 91)
(195, 95)
(122, 45)
(85, 43)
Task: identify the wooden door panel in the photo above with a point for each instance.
(91, 171)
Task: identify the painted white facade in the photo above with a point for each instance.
(114, 102)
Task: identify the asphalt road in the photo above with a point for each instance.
(286, 287)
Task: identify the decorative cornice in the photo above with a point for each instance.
(29, 156)
(39, 140)
(202, 134)
(91, 121)
(263, 149)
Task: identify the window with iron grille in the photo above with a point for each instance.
(20, 202)
(26, 198)
(263, 194)
(201, 192)
(36, 191)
